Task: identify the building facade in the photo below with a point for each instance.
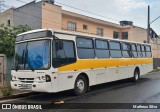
(48, 15)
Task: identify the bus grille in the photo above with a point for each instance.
(26, 80)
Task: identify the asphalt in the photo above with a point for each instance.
(146, 90)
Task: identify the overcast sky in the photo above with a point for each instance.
(132, 10)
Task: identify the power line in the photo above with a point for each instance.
(155, 19)
(87, 11)
(73, 8)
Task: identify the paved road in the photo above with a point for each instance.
(146, 90)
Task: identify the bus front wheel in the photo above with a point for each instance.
(136, 75)
(80, 86)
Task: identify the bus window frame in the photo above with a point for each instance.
(144, 50)
(26, 41)
(60, 58)
(139, 51)
(93, 43)
(134, 50)
(149, 51)
(116, 49)
(127, 50)
(102, 48)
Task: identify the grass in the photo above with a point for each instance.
(6, 90)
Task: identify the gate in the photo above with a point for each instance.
(2, 69)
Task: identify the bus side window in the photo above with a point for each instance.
(134, 51)
(102, 49)
(85, 48)
(126, 50)
(143, 51)
(148, 51)
(115, 49)
(139, 51)
(63, 54)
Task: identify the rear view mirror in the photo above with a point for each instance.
(59, 45)
(56, 45)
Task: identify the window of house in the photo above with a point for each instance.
(126, 50)
(99, 31)
(115, 35)
(72, 26)
(124, 35)
(134, 50)
(85, 48)
(85, 27)
(101, 49)
(8, 22)
(115, 49)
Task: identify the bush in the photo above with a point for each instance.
(6, 91)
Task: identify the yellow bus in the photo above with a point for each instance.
(48, 60)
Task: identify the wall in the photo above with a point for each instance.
(5, 16)
(29, 14)
(51, 16)
(137, 34)
(3, 67)
(8, 70)
(92, 27)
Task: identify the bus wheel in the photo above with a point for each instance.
(80, 86)
(136, 75)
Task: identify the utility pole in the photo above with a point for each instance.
(148, 26)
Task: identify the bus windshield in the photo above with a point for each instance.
(34, 55)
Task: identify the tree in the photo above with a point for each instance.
(7, 38)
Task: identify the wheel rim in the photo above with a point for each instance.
(136, 76)
(80, 85)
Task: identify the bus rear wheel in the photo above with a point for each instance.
(80, 86)
(136, 75)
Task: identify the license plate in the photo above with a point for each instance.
(25, 86)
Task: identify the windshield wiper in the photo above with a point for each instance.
(30, 64)
(27, 59)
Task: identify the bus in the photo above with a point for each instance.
(51, 61)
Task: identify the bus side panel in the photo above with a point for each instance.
(66, 80)
(145, 68)
(99, 75)
(125, 72)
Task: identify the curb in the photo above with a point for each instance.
(18, 95)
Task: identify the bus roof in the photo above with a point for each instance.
(80, 34)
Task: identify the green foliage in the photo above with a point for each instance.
(7, 38)
(6, 91)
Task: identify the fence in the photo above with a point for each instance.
(156, 63)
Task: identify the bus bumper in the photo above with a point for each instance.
(35, 86)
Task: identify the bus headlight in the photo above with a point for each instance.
(39, 78)
(42, 78)
(48, 78)
(14, 77)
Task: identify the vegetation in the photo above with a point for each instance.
(6, 91)
(7, 38)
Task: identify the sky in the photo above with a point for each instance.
(110, 10)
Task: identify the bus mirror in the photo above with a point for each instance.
(56, 46)
(60, 45)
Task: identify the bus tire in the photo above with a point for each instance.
(136, 75)
(80, 86)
